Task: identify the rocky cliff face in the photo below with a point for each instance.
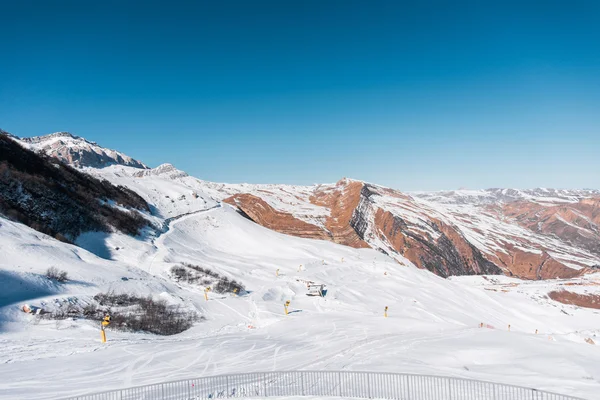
(77, 151)
(342, 201)
(576, 223)
(447, 237)
(262, 213)
(443, 251)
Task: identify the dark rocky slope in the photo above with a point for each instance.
(58, 200)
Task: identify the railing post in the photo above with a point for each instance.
(265, 379)
(227, 385)
(340, 383)
(302, 379)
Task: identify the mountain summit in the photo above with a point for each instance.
(77, 151)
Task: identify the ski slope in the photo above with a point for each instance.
(432, 327)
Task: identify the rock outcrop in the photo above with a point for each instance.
(259, 211)
(576, 299)
(574, 223)
(342, 200)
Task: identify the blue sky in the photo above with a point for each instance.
(427, 96)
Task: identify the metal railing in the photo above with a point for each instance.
(346, 384)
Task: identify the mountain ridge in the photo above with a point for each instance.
(76, 150)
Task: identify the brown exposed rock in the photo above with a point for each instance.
(530, 265)
(577, 299)
(576, 223)
(589, 341)
(449, 254)
(342, 201)
(263, 214)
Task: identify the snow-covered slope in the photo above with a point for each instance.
(432, 328)
(77, 151)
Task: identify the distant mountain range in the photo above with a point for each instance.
(532, 234)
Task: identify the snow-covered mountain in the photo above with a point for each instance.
(531, 237)
(61, 201)
(525, 234)
(533, 234)
(77, 151)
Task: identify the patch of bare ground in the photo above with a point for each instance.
(576, 299)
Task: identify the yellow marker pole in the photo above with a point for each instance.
(385, 311)
(286, 305)
(300, 268)
(104, 323)
(536, 331)
(509, 327)
(342, 259)
(206, 293)
(323, 262)
(277, 272)
(235, 290)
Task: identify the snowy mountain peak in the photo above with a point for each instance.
(166, 170)
(77, 151)
(51, 136)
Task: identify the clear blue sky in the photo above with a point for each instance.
(415, 95)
